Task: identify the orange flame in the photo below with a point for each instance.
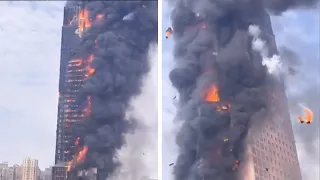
(90, 70)
(212, 94)
(99, 17)
(78, 159)
(84, 21)
(81, 155)
(68, 166)
(87, 110)
(308, 116)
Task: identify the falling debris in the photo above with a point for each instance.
(267, 169)
(169, 32)
(174, 97)
(308, 115)
(171, 164)
(225, 139)
(236, 165)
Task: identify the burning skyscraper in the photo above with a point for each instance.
(70, 81)
(232, 104)
(104, 57)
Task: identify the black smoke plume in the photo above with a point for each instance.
(213, 47)
(119, 43)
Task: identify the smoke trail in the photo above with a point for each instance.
(138, 156)
(273, 64)
(221, 80)
(117, 47)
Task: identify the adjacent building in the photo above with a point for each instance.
(30, 169)
(9, 172)
(46, 174)
(16, 172)
(4, 171)
(272, 154)
(59, 172)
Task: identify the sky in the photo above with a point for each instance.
(297, 30)
(30, 34)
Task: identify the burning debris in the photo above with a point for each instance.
(169, 32)
(115, 37)
(226, 55)
(308, 116)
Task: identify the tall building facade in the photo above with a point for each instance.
(70, 81)
(9, 172)
(4, 171)
(16, 172)
(58, 172)
(30, 169)
(272, 154)
(46, 174)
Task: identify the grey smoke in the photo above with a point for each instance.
(121, 61)
(236, 70)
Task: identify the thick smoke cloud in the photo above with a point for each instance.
(213, 47)
(274, 6)
(120, 48)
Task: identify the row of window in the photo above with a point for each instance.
(271, 171)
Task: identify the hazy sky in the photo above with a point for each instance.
(30, 34)
(296, 30)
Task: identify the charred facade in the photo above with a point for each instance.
(225, 89)
(59, 172)
(70, 81)
(105, 46)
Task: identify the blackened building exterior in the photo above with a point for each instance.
(70, 81)
(59, 172)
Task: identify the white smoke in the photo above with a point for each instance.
(139, 156)
(273, 63)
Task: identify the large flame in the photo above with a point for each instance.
(83, 21)
(90, 70)
(79, 157)
(212, 94)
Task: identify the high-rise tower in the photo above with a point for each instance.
(70, 82)
(30, 169)
(272, 153)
